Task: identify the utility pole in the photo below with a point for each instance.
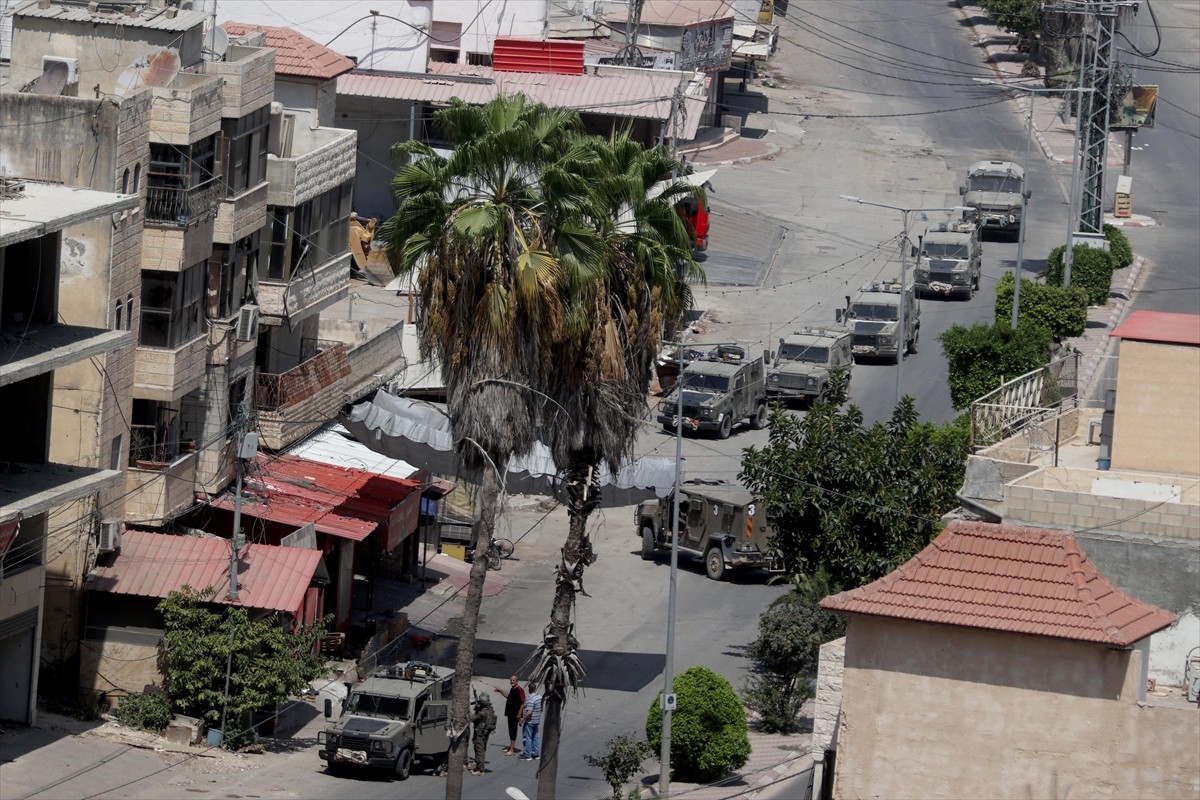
(668, 697)
(630, 55)
(245, 445)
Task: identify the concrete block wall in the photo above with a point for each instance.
(155, 496)
(172, 249)
(827, 706)
(249, 79)
(326, 283)
(187, 111)
(241, 216)
(168, 375)
(118, 668)
(1070, 510)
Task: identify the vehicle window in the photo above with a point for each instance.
(446, 687)
(376, 705)
(727, 519)
(705, 383)
(945, 263)
(994, 183)
(945, 250)
(800, 352)
(694, 514)
(874, 311)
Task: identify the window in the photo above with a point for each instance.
(172, 304)
(237, 393)
(479, 59)
(137, 176)
(308, 235)
(118, 326)
(181, 181)
(443, 56)
(228, 271)
(129, 311)
(245, 150)
(125, 182)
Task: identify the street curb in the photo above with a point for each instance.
(1090, 364)
(774, 775)
(1118, 222)
(772, 149)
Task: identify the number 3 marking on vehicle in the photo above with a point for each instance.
(750, 510)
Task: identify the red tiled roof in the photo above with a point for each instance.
(339, 501)
(156, 564)
(1160, 326)
(296, 55)
(1007, 578)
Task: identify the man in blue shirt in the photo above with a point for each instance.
(531, 716)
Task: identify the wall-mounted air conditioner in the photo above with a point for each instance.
(247, 324)
(110, 536)
(71, 64)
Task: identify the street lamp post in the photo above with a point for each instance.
(1033, 91)
(901, 338)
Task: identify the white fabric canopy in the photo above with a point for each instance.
(419, 433)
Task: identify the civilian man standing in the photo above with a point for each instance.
(531, 715)
(513, 703)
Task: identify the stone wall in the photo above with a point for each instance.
(831, 664)
(172, 249)
(156, 496)
(168, 375)
(187, 111)
(1156, 427)
(241, 216)
(306, 293)
(249, 76)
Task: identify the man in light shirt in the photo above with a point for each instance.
(531, 717)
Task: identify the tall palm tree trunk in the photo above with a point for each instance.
(560, 669)
(464, 660)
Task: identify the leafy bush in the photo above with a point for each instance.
(1118, 246)
(709, 737)
(150, 711)
(1060, 310)
(622, 757)
(982, 357)
(1091, 269)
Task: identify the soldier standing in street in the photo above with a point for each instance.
(483, 722)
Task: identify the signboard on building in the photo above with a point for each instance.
(707, 46)
(1136, 109)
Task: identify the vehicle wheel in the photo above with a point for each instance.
(333, 766)
(759, 420)
(504, 548)
(912, 346)
(668, 428)
(714, 563)
(404, 764)
(726, 427)
(648, 547)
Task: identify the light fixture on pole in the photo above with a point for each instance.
(901, 337)
(1033, 91)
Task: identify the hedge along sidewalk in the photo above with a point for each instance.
(1094, 344)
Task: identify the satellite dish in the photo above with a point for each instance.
(52, 81)
(153, 69)
(218, 40)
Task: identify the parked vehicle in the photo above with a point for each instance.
(723, 525)
(394, 719)
(949, 261)
(720, 390)
(873, 317)
(801, 368)
(995, 193)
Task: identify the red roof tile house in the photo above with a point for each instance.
(998, 662)
(119, 652)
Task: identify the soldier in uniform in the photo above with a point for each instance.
(483, 722)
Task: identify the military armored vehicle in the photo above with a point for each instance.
(721, 524)
(873, 316)
(721, 390)
(800, 370)
(949, 261)
(394, 719)
(995, 193)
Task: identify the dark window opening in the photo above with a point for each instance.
(172, 307)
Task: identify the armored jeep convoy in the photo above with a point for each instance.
(949, 261)
(995, 192)
(394, 718)
(805, 359)
(719, 391)
(721, 524)
(873, 317)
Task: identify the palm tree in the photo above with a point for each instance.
(601, 374)
(474, 227)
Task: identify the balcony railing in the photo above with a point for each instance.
(180, 206)
(1037, 395)
(329, 365)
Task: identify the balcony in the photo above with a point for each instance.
(306, 293)
(34, 488)
(312, 160)
(29, 349)
(249, 75)
(187, 110)
(182, 206)
(291, 407)
(240, 216)
(167, 375)
(157, 491)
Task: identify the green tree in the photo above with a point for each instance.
(601, 371)
(1091, 270)
(982, 357)
(858, 500)
(709, 735)
(1062, 310)
(267, 660)
(790, 634)
(622, 757)
(1023, 17)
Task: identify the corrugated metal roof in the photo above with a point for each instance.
(335, 446)
(340, 501)
(677, 12)
(1007, 578)
(638, 94)
(156, 564)
(296, 55)
(1160, 326)
(148, 18)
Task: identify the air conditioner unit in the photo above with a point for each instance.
(247, 324)
(110, 536)
(71, 64)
